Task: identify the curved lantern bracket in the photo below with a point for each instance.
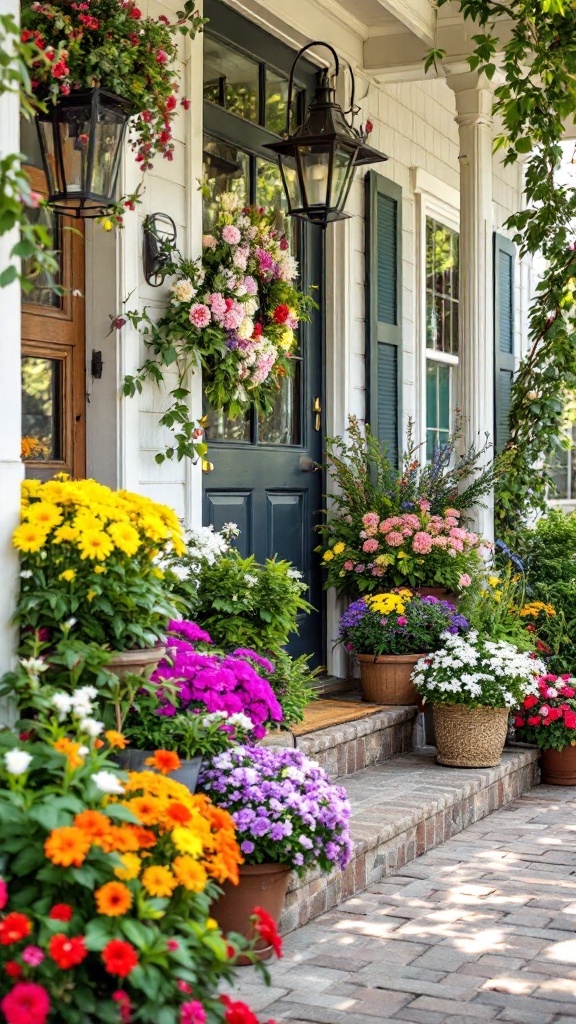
(159, 240)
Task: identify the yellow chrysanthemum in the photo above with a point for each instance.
(125, 537)
(328, 555)
(339, 548)
(86, 521)
(159, 881)
(29, 537)
(44, 513)
(100, 569)
(65, 533)
(386, 603)
(494, 581)
(67, 575)
(95, 544)
(187, 841)
(190, 873)
(211, 924)
(131, 867)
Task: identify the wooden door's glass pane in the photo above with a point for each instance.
(220, 428)
(226, 169)
(41, 409)
(43, 293)
(270, 194)
(282, 425)
(231, 79)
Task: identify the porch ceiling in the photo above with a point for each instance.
(382, 17)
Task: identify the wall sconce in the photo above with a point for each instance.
(159, 241)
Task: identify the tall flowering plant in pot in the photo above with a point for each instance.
(106, 882)
(388, 633)
(547, 717)
(472, 683)
(234, 313)
(288, 816)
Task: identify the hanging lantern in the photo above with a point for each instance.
(318, 160)
(81, 138)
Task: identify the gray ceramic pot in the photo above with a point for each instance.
(187, 774)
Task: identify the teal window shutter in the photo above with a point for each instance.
(384, 311)
(504, 363)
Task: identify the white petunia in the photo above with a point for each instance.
(107, 782)
(91, 726)
(240, 721)
(17, 761)
(63, 704)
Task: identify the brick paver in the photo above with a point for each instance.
(482, 928)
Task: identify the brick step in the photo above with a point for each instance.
(400, 808)
(351, 746)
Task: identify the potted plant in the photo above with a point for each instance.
(97, 67)
(89, 564)
(288, 817)
(104, 911)
(388, 633)
(547, 717)
(472, 682)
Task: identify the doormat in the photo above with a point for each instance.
(321, 714)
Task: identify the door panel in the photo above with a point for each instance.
(228, 507)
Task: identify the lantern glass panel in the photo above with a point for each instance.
(74, 125)
(342, 171)
(291, 182)
(107, 138)
(51, 164)
(315, 169)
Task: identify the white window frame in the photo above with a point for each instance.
(440, 202)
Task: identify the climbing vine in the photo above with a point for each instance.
(535, 96)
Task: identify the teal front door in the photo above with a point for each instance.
(265, 478)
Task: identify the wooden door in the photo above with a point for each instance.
(53, 357)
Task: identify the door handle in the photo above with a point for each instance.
(317, 410)
(307, 465)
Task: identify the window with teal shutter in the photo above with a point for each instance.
(384, 310)
(504, 260)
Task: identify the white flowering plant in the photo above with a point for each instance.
(233, 313)
(476, 672)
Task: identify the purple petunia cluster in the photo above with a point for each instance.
(215, 682)
(285, 808)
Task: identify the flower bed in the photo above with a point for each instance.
(398, 623)
(547, 716)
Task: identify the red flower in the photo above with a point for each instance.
(570, 719)
(136, 13)
(185, 103)
(543, 647)
(369, 127)
(26, 35)
(27, 1003)
(519, 721)
(60, 70)
(568, 691)
(67, 952)
(119, 958)
(13, 970)
(165, 136)
(172, 945)
(163, 19)
(14, 928)
(123, 999)
(281, 314)
(161, 56)
(134, 38)
(89, 21)
(534, 720)
(171, 102)
(237, 1013)
(257, 332)
(3, 894)
(530, 701)
(266, 928)
(61, 912)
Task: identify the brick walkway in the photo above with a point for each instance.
(481, 929)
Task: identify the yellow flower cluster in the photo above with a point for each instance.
(383, 604)
(534, 608)
(86, 519)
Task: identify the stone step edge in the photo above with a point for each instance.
(348, 747)
(382, 852)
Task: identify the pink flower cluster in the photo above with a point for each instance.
(418, 533)
(550, 706)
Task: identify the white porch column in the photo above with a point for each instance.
(476, 363)
(11, 469)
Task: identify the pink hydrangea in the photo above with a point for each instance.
(422, 543)
(394, 539)
(231, 234)
(451, 521)
(452, 512)
(440, 542)
(208, 242)
(371, 519)
(377, 571)
(370, 545)
(359, 567)
(240, 258)
(456, 544)
(250, 285)
(464, 580)
(218, 305)
(348, 565)
(233, 317)
(200, 315)
(424, 505)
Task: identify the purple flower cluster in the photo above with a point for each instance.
(215, 682)
(353, 615)
(285, 808)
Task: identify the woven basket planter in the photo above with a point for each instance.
(470, 737)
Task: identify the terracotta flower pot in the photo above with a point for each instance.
(386, 678)
(558, 767)
(261, 885)
(470, 737)
(187, 774)
(137, 662)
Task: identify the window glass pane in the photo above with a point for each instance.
(277, 100)
(282, 425)
(226, 169)
(41, 409)
(270, 193)
(442, 287)
(230, 79)
(437, 406)
(220, 428)
(42, 293)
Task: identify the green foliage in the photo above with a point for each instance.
(535, 98)
(549, 554)
(494, 609)
(292, 682)
(198, 734)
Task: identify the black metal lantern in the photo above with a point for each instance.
(318, 160)
(81, 140)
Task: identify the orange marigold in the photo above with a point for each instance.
(70, 750)
(148, 809)
(120, 839)
(177, 813)
(113, 899)
(164, 761)
(131, 865)
(66, 846)
(116, 739)
(93, 823)
(159, 881)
